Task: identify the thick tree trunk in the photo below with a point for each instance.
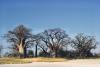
(53, 54)
(21, 51)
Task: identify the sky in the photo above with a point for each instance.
(74, 16)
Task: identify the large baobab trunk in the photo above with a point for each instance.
(53, 53)
(21, 50)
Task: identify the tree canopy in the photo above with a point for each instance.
(50, 43)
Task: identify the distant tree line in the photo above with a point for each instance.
(49, 43)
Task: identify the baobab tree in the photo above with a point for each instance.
(20, 38)
(55, 39)
(84, 44)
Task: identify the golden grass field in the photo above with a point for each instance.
(49, 62)
(29, 60)
(41, 59)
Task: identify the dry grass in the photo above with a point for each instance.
(29, 60)
(14, 61)
(41, 59)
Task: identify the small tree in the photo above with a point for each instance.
(84, 44)
(30, 54)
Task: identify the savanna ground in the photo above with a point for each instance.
(29, 60)
(49, 62)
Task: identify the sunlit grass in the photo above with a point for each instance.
(41, 59)
(29, 60)
(14, 61)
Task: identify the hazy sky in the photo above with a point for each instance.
(74, 16)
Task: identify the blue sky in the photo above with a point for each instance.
(74, 16)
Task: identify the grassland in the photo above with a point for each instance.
(41, 59)
(29, 60)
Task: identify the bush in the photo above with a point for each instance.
(30, 54)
